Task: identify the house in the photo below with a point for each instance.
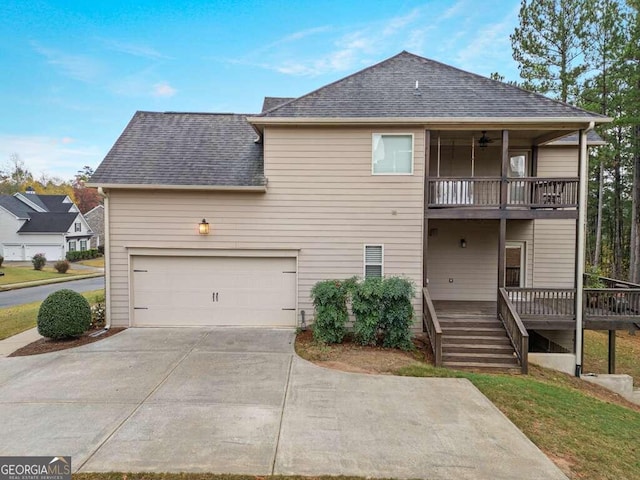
(50, 224)
(95, 220)
(472, 188)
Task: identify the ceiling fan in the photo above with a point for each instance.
(484, 140)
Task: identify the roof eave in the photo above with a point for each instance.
(141, 186)
(441, 122)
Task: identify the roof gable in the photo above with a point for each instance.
(184, 149)
(15, 206)
(410, 86)
(47, 222)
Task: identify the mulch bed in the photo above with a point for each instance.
(46, 345)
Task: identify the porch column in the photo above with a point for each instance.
(425, 220)
(583, 163)
(502, 244)
(504, 193)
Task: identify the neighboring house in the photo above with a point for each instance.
(31, 223)
(410, 167)
(95, 219)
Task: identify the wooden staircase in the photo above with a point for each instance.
(476, 341)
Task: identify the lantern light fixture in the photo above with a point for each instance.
(203, 227)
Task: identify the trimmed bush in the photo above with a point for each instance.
(82, 255)
(61, 266)
(367, 306)
(38, 261)
(330, 302)
(64, 314)
(1, 260)
(101, 249)
(397, 314)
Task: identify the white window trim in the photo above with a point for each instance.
(72, 242)
(86, 246)
(522, 244)
(395, 134)
(364, 259)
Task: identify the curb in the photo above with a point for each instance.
(37, 283)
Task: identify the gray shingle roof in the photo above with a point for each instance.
(387, 89)
(54, 203)
(592, 139)
(15, 206)
(273, 102)
(184, 149)
(47, 222)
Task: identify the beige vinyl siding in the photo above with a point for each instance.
(558, 162)
(554, 253)
(473, 270)
(321, 201)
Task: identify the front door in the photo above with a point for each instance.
(514, 264)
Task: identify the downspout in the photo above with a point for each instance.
(107, 260)
(582, 219)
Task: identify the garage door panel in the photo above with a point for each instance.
(190, 291)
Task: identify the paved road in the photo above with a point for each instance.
(35, 294)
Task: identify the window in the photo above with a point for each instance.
(392, 154)
(83, 245)
(78, 227)
(72, 246)
(373, 261)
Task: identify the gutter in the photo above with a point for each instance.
(144, 186)
(107, 260)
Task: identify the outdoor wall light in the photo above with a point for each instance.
(203, 227)
(463, 243)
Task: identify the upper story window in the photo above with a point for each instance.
(392, 154)
(78, 227)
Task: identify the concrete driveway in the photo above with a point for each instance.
(241, 401)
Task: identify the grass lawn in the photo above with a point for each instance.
(596, 346)
(198, 476)
(93, 262)
(17, 319)
(28, 274)
(585, 436)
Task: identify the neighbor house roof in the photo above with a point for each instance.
(55, 203)
(47, 222)
(184, 149)
(410, 86)
(15, 206)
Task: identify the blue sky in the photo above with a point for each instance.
(74, 72)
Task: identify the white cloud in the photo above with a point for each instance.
(163, 89)
(78, 67)
(137, 50)
(49, 155)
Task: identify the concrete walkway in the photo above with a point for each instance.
(241, 401)
(11, 344)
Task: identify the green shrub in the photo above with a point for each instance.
(38, 261)
(61, 266)
(101, 249)
(367, 306)
(1, 260)
(63, 314)
(82, 255)
(397, 314)
(330, 302)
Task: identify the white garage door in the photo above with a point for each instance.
(200, 291)
(52, 252)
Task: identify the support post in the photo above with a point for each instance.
(583, 165)
(502, 243)
(504, 170)
(612, 352)
(425, 220)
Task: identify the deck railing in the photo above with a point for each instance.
(484, 192)
(432, 326)
(515, 329)
(612, 302)
(543, 302)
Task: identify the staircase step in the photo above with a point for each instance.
(476, 332)
(471, 324)
(502, 358)
(492, 367)
(473, 349)
(476, 340)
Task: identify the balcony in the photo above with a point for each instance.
(557, 195)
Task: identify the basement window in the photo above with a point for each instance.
(392, 154)
(373, 261)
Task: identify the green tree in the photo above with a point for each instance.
(549, 45)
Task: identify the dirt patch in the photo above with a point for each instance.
(355, 358)
(46, 345)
